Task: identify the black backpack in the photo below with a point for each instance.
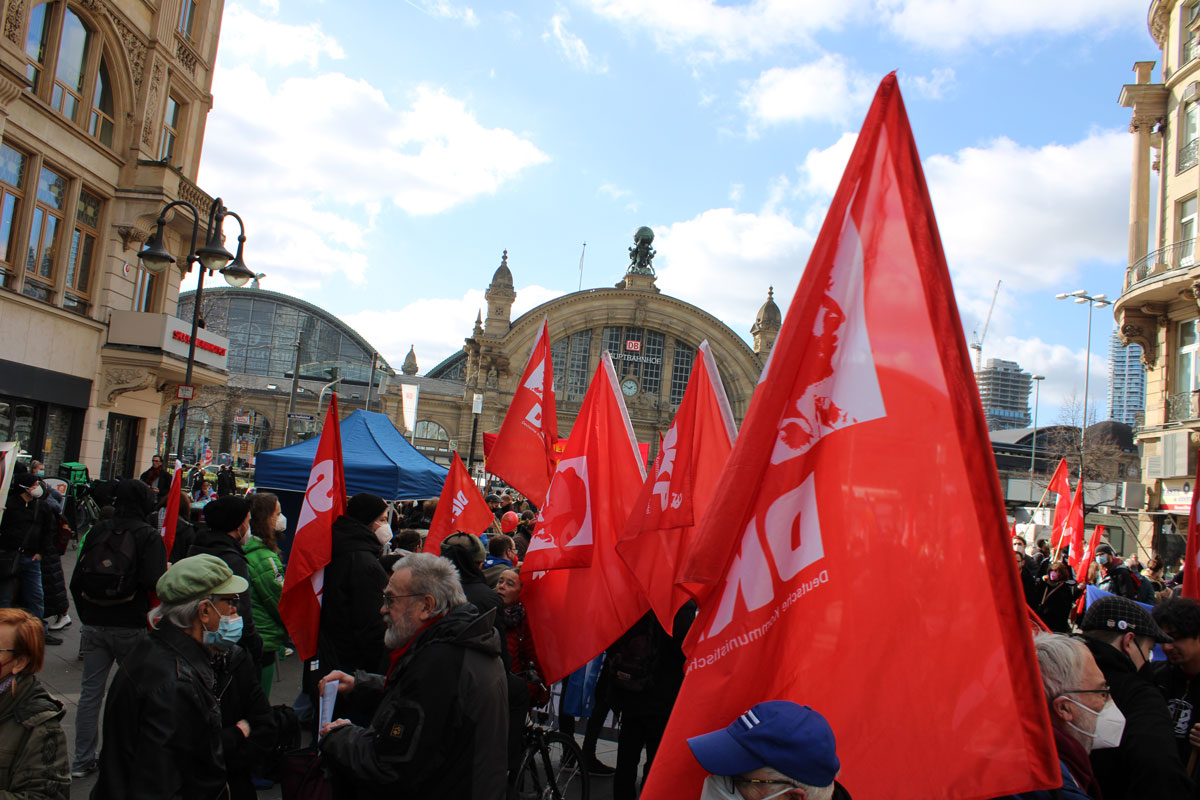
(108, 569)
(631, 658)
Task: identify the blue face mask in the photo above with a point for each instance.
(227, 634)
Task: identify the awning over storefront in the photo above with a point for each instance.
(47, 386)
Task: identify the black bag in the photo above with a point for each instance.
(10, 561)
(287, 727)
(107, 570)
(304, 777)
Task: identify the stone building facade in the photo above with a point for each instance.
(103, 105)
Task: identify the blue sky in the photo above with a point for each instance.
(384, 154)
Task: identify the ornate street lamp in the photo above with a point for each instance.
(212, 257)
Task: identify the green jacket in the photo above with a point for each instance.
(33, 748)
(266, 585)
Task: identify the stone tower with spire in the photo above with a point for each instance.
(410, 361)
(500, 296)
(766, 325)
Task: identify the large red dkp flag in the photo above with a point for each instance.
(660, 530)
(860, 481)
(1060, 485)
(324, 501)
(595, 482)
(460, 508)
(523, 453)
(1191, 562)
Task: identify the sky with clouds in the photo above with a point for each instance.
(383, 155)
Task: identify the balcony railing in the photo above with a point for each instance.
(1182, 406)
(1187, 156)
(1178, 256)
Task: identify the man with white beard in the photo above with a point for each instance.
(441, 713)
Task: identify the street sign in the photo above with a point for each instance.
(185, 392)
(306, 417)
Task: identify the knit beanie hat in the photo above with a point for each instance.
(365, 508)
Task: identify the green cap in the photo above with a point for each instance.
(198, 576)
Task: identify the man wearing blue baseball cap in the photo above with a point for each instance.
(776, 749)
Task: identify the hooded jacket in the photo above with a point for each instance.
(27, 526)
(440, 725)
(266, 587)
(162, 725)
(1147, 763)
(32, 742)
(351, 634)
(226, 548)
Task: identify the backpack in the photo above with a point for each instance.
(107, 571)
(1145, 589)
(631, 658)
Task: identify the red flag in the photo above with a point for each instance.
(1072, 528)
(460, 508)
(1060, 484)
(595, 482)
(171, 518)
(324, 501)
(659, 532)
(523, 452)
(1191, 563)
(1084, 564)
(864, 431)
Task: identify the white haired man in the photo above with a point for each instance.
(776, 749)
(440, 725)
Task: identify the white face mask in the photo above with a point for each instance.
(35, 491)
(1110, 725)
(383, 534)
(280, 523)
(714, 789)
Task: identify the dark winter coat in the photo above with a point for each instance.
(351, 635)
(160, 483)
(439, 729)
(1118, 580)
(226, 548)
(185, 537)
(666, 665)
(1147, 763)
(33, 748)
(475, 587)
(162, 725)
(240, 695)
(27, 526)
(226, 483)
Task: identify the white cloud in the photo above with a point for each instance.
(434, 326)
(572, 47)
(822, 170)
(933, 86)
(446, 10)
(736, 192)
(723, 261)
(1063, 369)
(948, 24)
(311, 163)
(613, 192)
(825, 90)
(707, 30)
(1033, 217)
(245, 36)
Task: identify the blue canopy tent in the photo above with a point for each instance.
(376, 456)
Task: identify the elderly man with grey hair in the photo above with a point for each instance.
(1082, 713)
(440, 724)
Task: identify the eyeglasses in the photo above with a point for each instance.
(388, 598)
(231, 599)
(731, 781)
(1105, 693)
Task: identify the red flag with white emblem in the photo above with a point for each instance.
(660, 530)
(1060, 485)
(460, 508)
(171, 515)
(523, 453)
(595, 482)
(861, 478)
(1072, 529)
(324, 501)
(1191, 563)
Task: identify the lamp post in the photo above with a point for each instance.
(476, 410)
(212, 257)
(1080, 296)
(1037, 386)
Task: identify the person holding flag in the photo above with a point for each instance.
(1115, 576)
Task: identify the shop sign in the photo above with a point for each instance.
(1177, 496)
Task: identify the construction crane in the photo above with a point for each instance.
(977, 344)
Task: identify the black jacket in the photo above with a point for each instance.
(478, 593)
(1120, 581)
(439, 729)
(27, 526)
(151, 564)
(185, 537)
(240, 695)
(224, 547)
(1147, 763)
(162, 726)
(226, 482)
(161, 484)
(666, 662)
(351, 635)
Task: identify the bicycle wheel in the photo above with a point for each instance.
(563, 762)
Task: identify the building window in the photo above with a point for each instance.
(187, 17)
(82, 257)
(1187, 34)
(44, 233)
(170, 131)
(1189, 129)
(61, 44)
(430, 430)
(12, 179)
(144, 285)
(577, 364)
(1186, 233)
(1185, 365)
(681, 370)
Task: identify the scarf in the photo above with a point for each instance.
(513, 616)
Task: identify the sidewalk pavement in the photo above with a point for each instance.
(63, 672)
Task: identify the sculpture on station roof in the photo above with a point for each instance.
(641, 255)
